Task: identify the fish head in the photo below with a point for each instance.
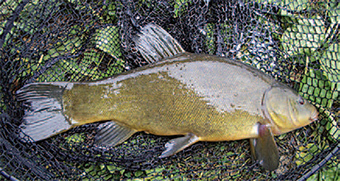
(287, 110)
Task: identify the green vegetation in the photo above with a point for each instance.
(180, 7)
(87, 67)
(306, 38)
(330, 172)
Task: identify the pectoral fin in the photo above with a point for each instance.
(178, 144)
(264, 148)
(112, 134)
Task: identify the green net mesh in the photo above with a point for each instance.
(297, 42)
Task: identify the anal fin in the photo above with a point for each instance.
(112, 134)
(264, 148)
(178, 144)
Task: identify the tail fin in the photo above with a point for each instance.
(44, 111)
(154, 43)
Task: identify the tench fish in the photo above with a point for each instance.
(203, 97)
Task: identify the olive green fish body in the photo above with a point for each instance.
(204, 95)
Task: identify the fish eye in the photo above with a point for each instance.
(301, 101)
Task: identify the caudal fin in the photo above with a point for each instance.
(43, 113)
(154, 43)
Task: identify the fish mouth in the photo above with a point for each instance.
(314, 116)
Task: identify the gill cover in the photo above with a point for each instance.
(287, 110)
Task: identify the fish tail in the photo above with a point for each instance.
(43, 110)
(154, 43)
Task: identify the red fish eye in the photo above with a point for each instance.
(301, 101)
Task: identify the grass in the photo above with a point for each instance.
(304, 41)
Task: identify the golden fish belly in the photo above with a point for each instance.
(203, 95)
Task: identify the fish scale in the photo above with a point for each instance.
(201, 97)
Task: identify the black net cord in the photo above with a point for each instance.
(10, 22)
(317, 167)
(7, 176)
(57, 39)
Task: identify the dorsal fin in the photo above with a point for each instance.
(154, 43)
